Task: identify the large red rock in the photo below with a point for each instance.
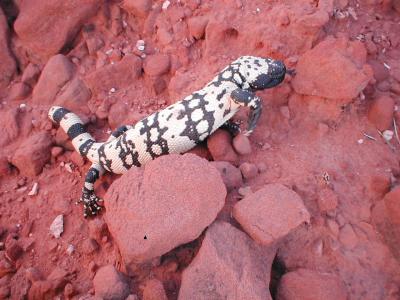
(33, 154)
(109, 284)
(44, 27)
(117, 75)
(56, 73)
(9, 127)
(334, 69)
(7, 65)
(311, 285)
(381, 112)
(74, 96)
(168, 202)
(270, 213)
(229, 265)
(137, 7)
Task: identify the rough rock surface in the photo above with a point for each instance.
(262, 212)
(109, 284)
(229, 173)
(229, 265)
(311, 285)
(334, 69)
(381, 112)
(10, 129)
(33, 154)
(8, 65)
(56, 73)
(45, 27)
(144, 205)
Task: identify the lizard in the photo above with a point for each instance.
(175, 129)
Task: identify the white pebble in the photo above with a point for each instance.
(70, 249)
(360, 141)
(57, 227)
(387, 135)
(140, 45)
(165, 4)
(22, 105)
(34, 189)
(112, 90)
(68, 167)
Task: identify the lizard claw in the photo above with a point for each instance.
(91, 205)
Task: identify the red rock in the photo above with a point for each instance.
(348, 237)
(19, 91)
(56, 73)
(137, 7)
(118, 116)
(4, 166)
(392, 204)
(262, 167)
(197, 26)
(396, 5)
(109, 284)
(74, 96)
(381, 112)
(378, 185)
(154, 290)
(30, 75)
(381, 73)
(33, 154)
(311, 285)
(56, 151)
(384, 86)
(89, 246)
(156, 64)
(117, 75)
(13, 250)
(229, 173)
(77, 159)
(248, 170)
(201, 151)
(8, 66)
(41, 289)
(69, 291)
(334, 69)
(261, 213)
(97, 229)
(9, 127)
(143, 205)
(220, 146)
(62, 139)
(45, 27)
(241, 144)
(327, 200)
(229, 265)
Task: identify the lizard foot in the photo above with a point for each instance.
(91, 205)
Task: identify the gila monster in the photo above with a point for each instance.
(176, 128)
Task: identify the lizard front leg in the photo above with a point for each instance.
(249, 99)
(89, 199)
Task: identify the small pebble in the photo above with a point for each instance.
(34, 189)
(243, 191)
(57, 227)
(248, 170)
(70, 249)
(241, 144)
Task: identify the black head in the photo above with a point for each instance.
(261, 73)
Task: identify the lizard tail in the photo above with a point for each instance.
(82, 141)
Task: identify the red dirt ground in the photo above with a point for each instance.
(316, 135)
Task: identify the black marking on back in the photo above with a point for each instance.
(85, 147)
(159, 141)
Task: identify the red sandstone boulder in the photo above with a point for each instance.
(56, 73)
(109, 284)
(156, 64)
(33, 154)
(270, 213)
(44, 27)
(137, 7)
(381, 112)
(117, 75)
(168, 202)
(311, 285)
(74, 96)
(335, 69)
(7, 65)
(229, 265)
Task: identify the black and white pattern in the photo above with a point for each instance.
(175, 129)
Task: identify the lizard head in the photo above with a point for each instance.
(261, 73)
